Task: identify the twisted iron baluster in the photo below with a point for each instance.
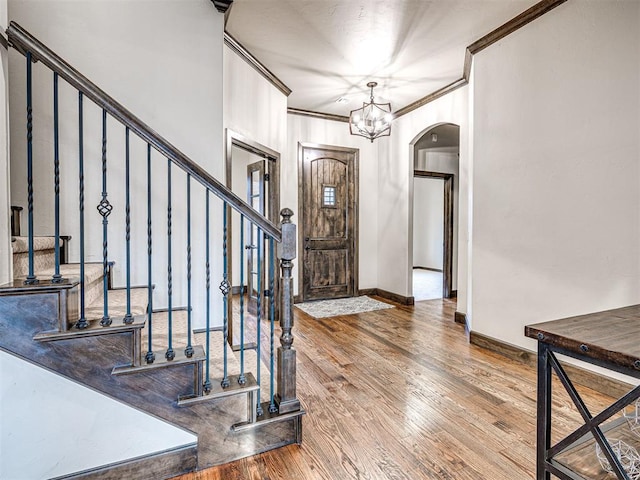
(150, 356)
(241, 378)
(188, 351)
(128, 318)
(169, 354)
(259, 410)
(225, 288)
(272, 320)
(57, 278)
(31, 277)
(207, 382)
(104, 208)
(82, 322)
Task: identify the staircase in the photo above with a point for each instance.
(142, 343)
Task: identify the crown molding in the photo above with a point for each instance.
(461, 82)
(243, 53)
(508, 28)
(323, 116)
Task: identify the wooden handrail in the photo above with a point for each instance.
(23, 41)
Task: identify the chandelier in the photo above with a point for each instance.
(373, 120)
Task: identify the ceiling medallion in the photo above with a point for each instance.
(373, 120)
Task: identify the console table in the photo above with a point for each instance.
(610, 339)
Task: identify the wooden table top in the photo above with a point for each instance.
(611, 337)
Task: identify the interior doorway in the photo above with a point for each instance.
(428, 238)
(252, 173)
(435, 213)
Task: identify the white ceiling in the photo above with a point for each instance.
(327, 49)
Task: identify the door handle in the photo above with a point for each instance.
(306, 243)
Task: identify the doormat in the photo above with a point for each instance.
(341, 306)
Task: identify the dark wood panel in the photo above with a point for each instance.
(460, 318)
(161, 465)
(400, 394)
(328, 222)
(610, 336)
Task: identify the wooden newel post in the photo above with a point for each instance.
(286, 392)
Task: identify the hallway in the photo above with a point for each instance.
(427, 284)
(401, 394)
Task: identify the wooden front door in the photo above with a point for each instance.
(328, 195)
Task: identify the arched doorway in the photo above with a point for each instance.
(434, 253)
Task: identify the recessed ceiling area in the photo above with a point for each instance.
(324, 50)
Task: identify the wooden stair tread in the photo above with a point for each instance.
(162, 362)
(43, 286)
(217, 391)
(93, 329)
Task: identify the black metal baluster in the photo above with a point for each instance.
(82, 322)
(104, 208)
(241, 378)
(225, 288)
(272, 320)
(57, 278)
(150, 356)
(169, 354)
(207, 382)
(259, 410)
(128, 318)
(188, 351)
(31, 277)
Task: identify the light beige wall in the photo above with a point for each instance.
(556, 202)
(253, 107)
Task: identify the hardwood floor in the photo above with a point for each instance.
(401, 394)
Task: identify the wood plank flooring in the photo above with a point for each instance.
(401, 394)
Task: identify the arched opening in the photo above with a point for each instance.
(436, 153)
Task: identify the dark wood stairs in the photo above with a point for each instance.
(37, 325)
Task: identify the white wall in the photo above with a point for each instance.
(313, 130)
(162, 61)
(37, 449)
(428, 222)
(556, 180)
(395, 190)
(253, 107)
(5, 197)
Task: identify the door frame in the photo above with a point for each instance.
(272, 168)
(355, 242)
(259, 167)
(447, 260)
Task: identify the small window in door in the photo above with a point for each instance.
(329, 196)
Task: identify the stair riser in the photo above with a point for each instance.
(42, 260)
(93, 290)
